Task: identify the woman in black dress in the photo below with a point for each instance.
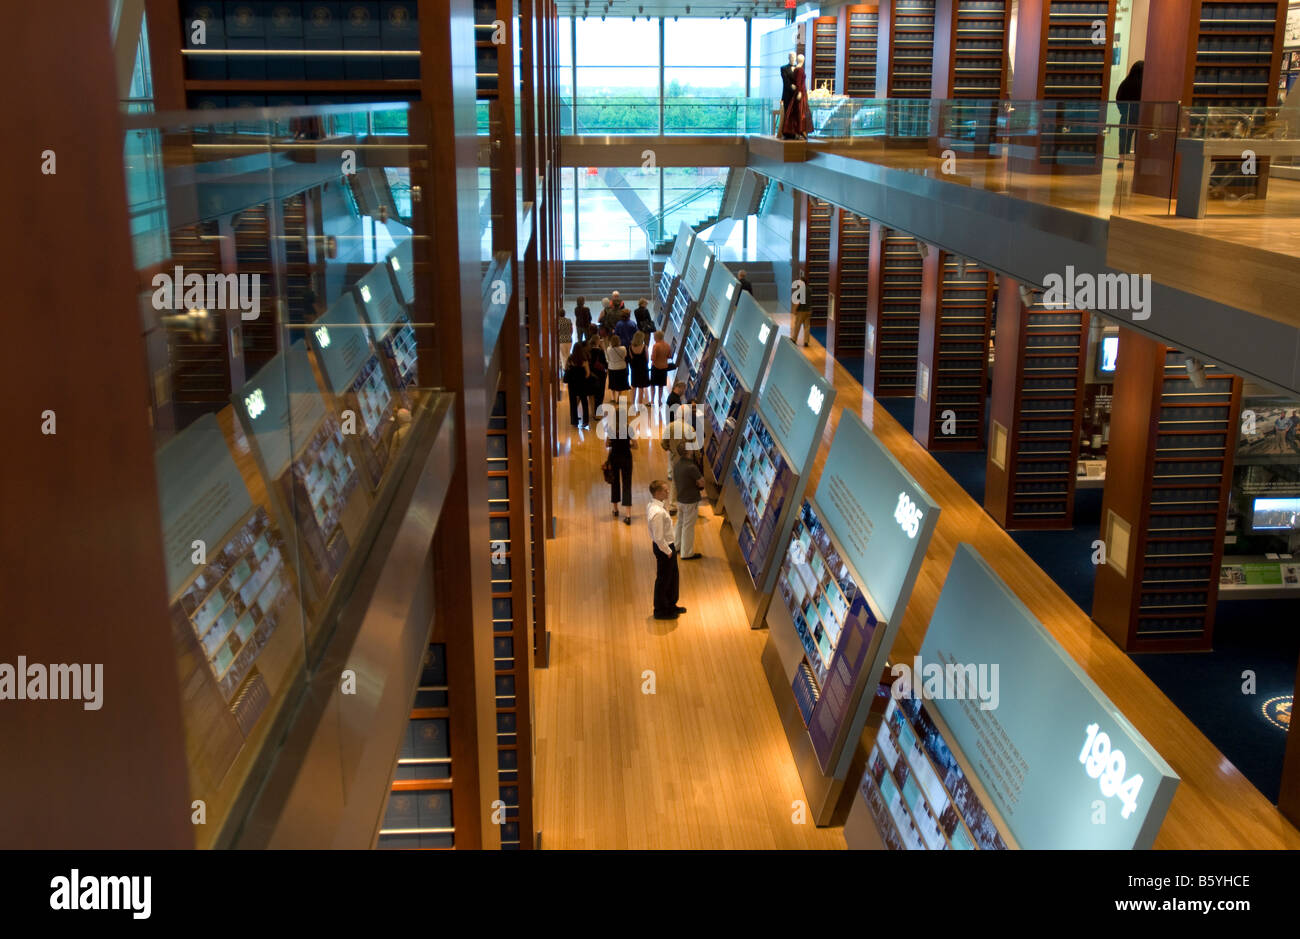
(576, 376)
(638, 361)
(597, 369)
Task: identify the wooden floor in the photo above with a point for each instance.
(704, 763)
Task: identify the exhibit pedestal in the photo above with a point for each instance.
(822, 792)
(754, 603)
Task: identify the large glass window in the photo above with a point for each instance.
(760, 29)
(618, 76)
(704, 58)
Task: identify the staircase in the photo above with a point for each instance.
(596, 279)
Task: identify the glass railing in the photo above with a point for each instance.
(288, 396)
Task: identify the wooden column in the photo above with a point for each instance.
(1038, 373)
(461, 559)
(817, 232)
(1166, 499)
(83, 579)
(952, 353)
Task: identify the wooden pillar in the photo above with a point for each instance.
(817, 232)
(952, 353)
(83, 579)
(1166, 499)
(461, 562)
(1033, 448)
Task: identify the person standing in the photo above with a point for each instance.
(607, 317)
(582, 319)
(616, 303)
(689, 482)
(564, 331)
(659, 353)
(1128, 95)
(577, 375)
(665, 553)
(742, 278)
(625, 328)
(616, 358)
(802, 317)
(675, 432)
(597, 370)
(620, 443)
(638, 361)
(644, 320)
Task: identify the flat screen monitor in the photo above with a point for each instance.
(1276, 514)
(1107, 353)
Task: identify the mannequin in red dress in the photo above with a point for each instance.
(796, 123)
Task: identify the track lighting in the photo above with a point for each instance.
(1195, 372)
(1026, 295)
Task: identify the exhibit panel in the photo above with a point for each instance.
(363, 401)
(707, 325)
(670, 276)
(401, 262)
(728, 397)
(845, 577)
(690, 288)
(975, 719)
(390, 327)
(768, 474)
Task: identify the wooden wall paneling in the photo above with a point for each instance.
(1161, 594)
(817, 259)
(462, 568)
(1039, 370)
(83, 578)
(166, 64)
(820, 66)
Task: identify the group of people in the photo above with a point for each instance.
(620, 357)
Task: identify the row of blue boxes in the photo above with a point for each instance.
(311, 25)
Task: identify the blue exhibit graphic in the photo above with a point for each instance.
(764, 479)
(916, 790)
(793, 401)
(724, 398)
(695, 353)
(1054, 753)
(747, 338)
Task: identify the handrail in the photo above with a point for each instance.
(654, 224)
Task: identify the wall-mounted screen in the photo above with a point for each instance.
(1275, 514)
(1107, 354)
(764, 479)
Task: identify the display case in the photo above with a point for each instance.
(817, 265)
(953, 353)
(860, 51)
(1036, 411)
(894, 314)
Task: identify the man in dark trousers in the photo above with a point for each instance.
(742, 277)
(665, 552)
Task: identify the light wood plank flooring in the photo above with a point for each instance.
(703, 763)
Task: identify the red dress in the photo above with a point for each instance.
(796, 121)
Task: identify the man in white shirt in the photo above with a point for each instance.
(665, 552)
